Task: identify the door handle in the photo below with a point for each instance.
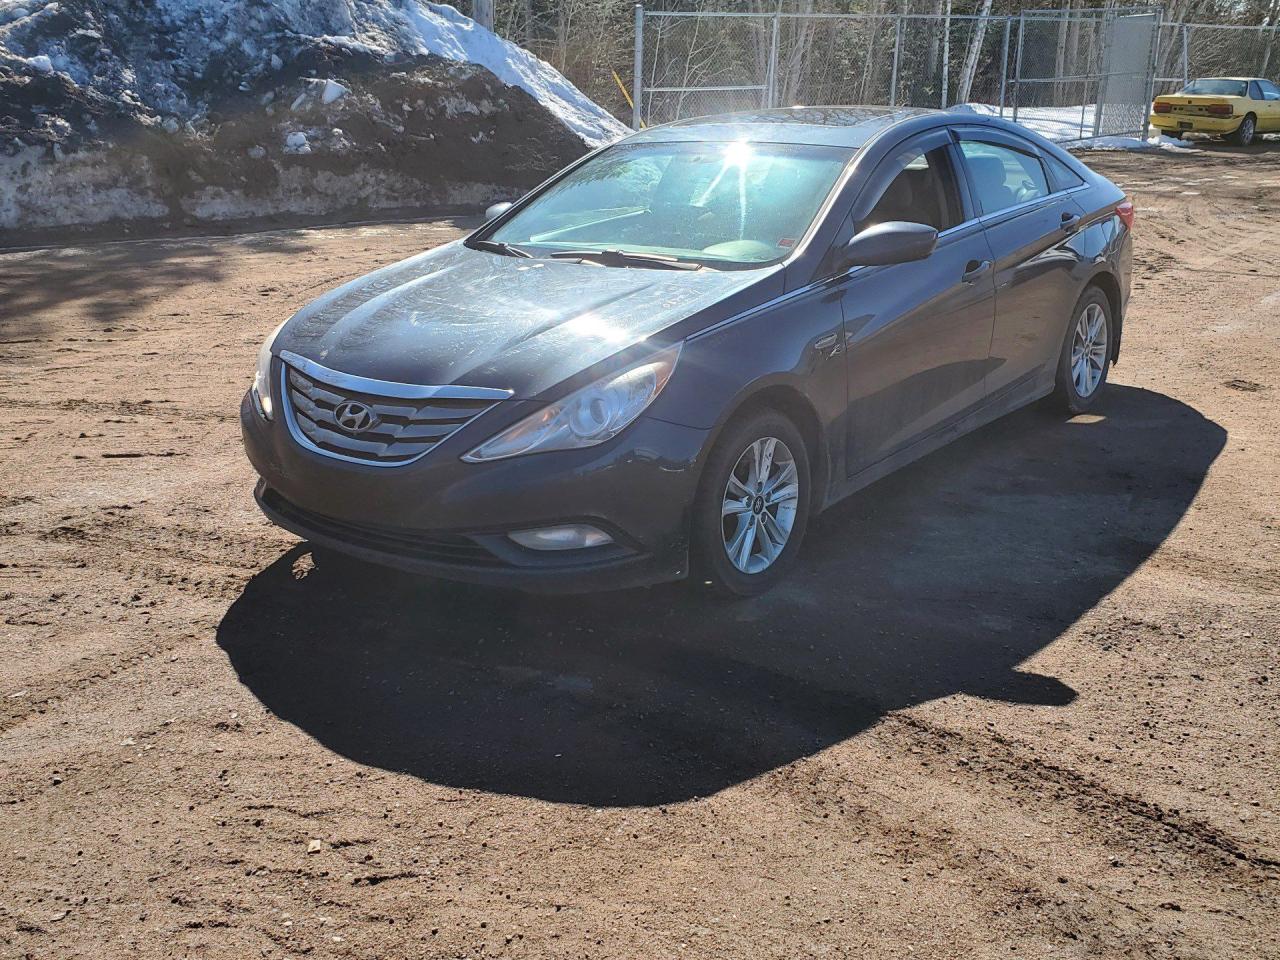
(974, 269)
(1070, 221)
(826, 343)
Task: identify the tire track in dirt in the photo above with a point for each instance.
(1099, 805)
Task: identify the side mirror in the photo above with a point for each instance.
(885, 243)
(497, 210)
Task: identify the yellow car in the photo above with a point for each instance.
(1238, 108)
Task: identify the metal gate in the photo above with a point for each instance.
(1070, 75)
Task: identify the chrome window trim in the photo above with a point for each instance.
(363, 385)
(391, 388)
(989, 219)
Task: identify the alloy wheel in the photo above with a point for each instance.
(1089, 350)
(758, 508)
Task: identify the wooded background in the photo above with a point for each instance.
(588, 40)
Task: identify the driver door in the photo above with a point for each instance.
(918, 334)
(1269, 108)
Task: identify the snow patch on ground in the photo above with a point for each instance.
(1154, 142)
(1072, 124)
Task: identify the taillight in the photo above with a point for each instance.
(1162, 107)
(1125, 212)
(1220, 109)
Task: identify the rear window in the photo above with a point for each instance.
(1064, 178)
(1002, 177)
(1220, 88)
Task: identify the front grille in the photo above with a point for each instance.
(402, 429)
(412, 545)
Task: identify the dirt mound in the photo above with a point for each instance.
(168, 113)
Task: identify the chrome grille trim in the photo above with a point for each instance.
(389, 388)
(411, 419)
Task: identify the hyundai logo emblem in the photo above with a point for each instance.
(354, 416)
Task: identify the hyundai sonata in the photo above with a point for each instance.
(674, 354)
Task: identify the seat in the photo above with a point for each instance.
(990, 180)
(897, 203)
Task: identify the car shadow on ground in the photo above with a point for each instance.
(940, 580)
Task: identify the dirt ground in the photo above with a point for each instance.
(1019, 700)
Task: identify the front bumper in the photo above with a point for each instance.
(1172, 123)
(444, 518)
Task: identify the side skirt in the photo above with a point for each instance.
(997, 408)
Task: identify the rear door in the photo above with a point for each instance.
(1029, 214)
(917, 333)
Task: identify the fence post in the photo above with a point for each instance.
(1266, 50)
(1186, 54)
(1153, 67)
(1108, 29)
(897, 48)
(1017, 66)
(637, 78)
(946, 55)
(1004, 61)
(771, 76)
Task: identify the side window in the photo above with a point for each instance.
(1063, 177)
(1255, 91)
(1269, 90)
(924, 191)
(1001, 176)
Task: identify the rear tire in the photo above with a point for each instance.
(1244, 134)
(752, 507)
(1086, 353)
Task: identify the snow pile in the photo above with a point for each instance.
(117, 109)
(180, 48)
(442, 30)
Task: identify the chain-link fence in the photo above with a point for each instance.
(1071, 75)
(1190, 50)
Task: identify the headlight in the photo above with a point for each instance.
(262, 377)
(585, 417)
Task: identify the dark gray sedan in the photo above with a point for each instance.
(675, 353)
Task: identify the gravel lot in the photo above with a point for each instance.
(1019, 700)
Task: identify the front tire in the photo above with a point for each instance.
(752, 507)
(1086, 353)
(1244, 134)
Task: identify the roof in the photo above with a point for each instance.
(833, 126)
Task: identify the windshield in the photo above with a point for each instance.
(715, 203)
(1221, 88)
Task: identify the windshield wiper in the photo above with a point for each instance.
(497, 246)
(623, 258)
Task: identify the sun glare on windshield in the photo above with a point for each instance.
(718, 203)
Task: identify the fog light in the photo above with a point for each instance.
(573, 536)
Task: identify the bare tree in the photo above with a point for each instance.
(975, 50)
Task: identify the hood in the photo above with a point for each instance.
(460, 316)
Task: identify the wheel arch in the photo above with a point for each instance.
(1106, 281)
(791, 402)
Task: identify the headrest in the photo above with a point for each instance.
(988, 171)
